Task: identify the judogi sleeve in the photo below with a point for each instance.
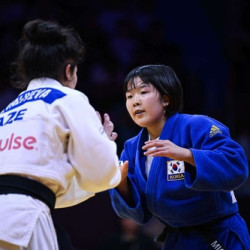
(91, 152)
(221, 164)
(138, 210)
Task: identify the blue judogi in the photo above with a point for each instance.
(181, 195)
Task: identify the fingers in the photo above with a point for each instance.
(113, 136)
(124, 169)
(153, 143)
(123, 185)
(109, 127)
(157, 147)
(108, 124)
(125, 163)
(155, 152)
(164, 148)
(106, 117)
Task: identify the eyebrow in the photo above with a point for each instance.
(139, 86)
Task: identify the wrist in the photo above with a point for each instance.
(189, 157)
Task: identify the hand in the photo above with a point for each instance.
(167, 148)
(123, 187)
(108, 126)
(124, 171)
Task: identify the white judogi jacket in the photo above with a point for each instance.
(52, 134)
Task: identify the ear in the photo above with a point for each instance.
(68, 72)
(165, 100)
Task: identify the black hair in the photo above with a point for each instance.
(45, 49)
(164, 79)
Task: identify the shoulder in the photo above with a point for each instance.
(193, 118)
(75, 103)
(132, 143)
(74, 93)
(199, 123)
(73, 97)
(198, 120)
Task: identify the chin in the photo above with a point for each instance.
(141, 124)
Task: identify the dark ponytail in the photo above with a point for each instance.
(45, 49)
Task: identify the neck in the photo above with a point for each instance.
(155, 131)
(150, 137)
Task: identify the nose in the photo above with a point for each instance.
(136, 100)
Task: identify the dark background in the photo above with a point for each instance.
(207, 42)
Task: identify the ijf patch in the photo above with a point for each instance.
(175, 170)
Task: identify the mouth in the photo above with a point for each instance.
(138, 112)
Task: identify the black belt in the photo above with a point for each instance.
(15, 184)
(204, 230)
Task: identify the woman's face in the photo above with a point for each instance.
(145, 105)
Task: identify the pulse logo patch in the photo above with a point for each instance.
(14, 142)
(175, 170)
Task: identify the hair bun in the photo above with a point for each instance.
(43, 33)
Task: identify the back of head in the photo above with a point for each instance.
(45, 49)
(164, 79)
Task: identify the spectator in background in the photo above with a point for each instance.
(129, 237)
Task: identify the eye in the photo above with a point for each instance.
(129, 96)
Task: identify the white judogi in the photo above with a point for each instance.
(26, 223)
(52, 134)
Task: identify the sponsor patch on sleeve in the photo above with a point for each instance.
(214, 130)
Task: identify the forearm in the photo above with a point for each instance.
(188, 157)
(166, 148)
(124, 189)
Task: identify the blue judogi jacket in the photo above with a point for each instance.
(185, 195)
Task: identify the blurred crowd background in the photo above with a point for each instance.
(206, 42)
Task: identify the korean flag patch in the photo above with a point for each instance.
(175, 170)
